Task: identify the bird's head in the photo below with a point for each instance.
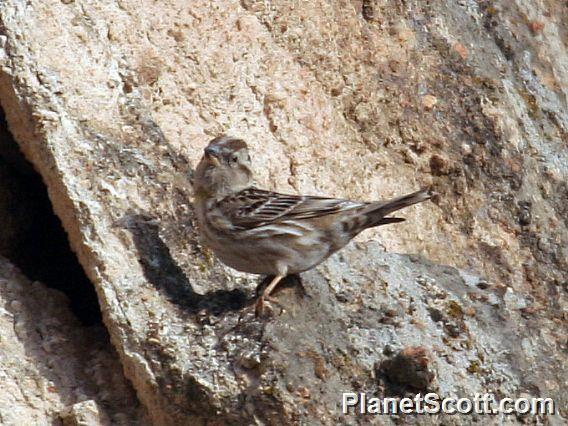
(224, 168)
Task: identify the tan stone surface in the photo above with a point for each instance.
(111, 101)
(50, 367)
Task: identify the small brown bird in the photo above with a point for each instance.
(264, 232)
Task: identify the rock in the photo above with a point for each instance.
(524, 213)
(84, 413)
(409, 368)
(461, 50)
(115, 109)
(429, 101)
(48, 361)
(536, 27)
(439, 165)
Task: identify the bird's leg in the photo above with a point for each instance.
(262, 285)
(266, 293)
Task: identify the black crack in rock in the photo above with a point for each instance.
(32, 235)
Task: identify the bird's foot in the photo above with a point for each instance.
(264, 302)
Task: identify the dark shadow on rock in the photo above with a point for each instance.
(166, 276)
(293, 281)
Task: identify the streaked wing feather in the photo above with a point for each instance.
(254, 207)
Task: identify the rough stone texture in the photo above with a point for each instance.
(52, 371)
(113, 101)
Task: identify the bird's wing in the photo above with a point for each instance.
(254, 207)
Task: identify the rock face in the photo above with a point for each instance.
(113, 102)
(51, 370)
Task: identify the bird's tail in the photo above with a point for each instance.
(376, 212)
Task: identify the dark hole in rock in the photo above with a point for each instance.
(31, 235)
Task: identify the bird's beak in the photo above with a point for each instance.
(211, 154)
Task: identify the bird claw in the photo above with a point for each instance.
(259, 308)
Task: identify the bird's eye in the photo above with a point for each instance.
(233, 160)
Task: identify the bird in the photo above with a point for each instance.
(268, 233)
